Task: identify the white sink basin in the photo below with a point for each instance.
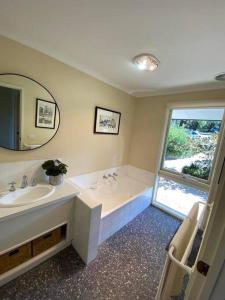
(26, 196)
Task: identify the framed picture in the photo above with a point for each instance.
(106, 121)
(45, 114)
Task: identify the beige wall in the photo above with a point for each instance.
(150, 114)
(77, 95)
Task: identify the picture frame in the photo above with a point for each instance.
(106, 121)
(45, 114)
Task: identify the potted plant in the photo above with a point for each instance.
(55, 170)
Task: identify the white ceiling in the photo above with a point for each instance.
(100, 37)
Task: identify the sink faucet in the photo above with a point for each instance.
(33, 181)
(12, 187)
(24, 182)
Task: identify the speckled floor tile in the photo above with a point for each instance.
(128, 266)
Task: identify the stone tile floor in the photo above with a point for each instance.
(128, 266)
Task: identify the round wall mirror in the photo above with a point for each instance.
(29, 114)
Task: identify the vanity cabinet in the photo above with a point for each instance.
(16, 231)
(25, 252)
(28, 239)
(49, 229)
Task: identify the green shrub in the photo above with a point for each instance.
(179, 142)
(200, 125)
(206, 145)
(199, 169)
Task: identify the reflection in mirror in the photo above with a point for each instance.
(29, 115)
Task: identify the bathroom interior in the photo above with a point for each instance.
(112, 150)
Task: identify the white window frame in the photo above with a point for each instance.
(172, 175)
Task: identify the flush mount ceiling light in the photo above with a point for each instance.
(146, 62)
(220, 77)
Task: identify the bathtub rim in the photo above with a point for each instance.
(84, 197)
(117, 207)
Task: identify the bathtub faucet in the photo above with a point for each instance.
(112, 176)
(104, 177)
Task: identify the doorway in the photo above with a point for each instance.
(10, 117)
(187, 162)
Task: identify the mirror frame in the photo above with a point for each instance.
(27, 77)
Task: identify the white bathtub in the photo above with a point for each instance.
(122, 199)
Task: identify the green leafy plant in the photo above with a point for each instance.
(179, 142)
(54, 167)
(200, 125)
(199, 169)
(182, 144)
(206, 145)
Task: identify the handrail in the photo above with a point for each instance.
(177, 262)
(182, 263)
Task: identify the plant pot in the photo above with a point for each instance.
(56, 180)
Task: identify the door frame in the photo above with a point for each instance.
(20, 89)
(200, 184)
(213, 245)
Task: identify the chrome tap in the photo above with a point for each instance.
(33, 181)
(112, 176)
(104, 177)
(24, 182)
(12, 187)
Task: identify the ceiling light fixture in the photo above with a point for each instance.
(146, 62)
(220, 77)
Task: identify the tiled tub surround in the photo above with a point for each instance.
(122, 197)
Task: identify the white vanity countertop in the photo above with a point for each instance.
(62, 192)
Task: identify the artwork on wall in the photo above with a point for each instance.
(45, 114)
(106, 121)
